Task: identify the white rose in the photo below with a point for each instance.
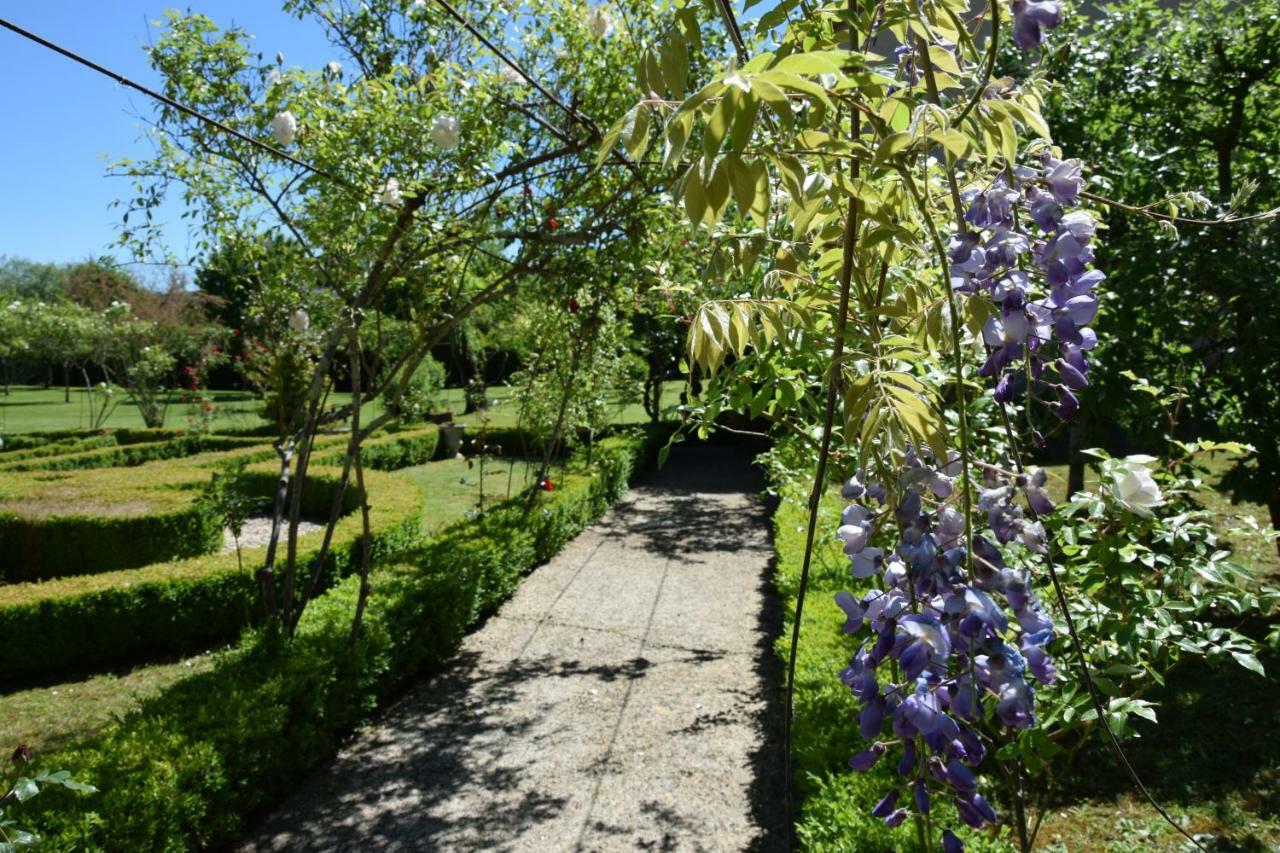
(285, 127)
(335, 68)
(601, 22)
(390, 193)
(444, 132)
(1133, 486)
(299, 321)
(512, 76)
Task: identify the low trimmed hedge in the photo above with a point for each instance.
(132, 455)
(392, 451)
(25, 442)
(186, 770)
(56, 524)
(56, 448)
(181, 606)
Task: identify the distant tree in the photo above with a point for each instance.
(1186, 98)
(24, 279)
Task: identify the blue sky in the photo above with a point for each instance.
(61, 122)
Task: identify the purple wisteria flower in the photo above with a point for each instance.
(966, 645)
(1030, 256)
(1031, 19)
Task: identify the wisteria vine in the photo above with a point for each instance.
(953, 639)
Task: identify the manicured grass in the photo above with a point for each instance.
(46, 718)
(34, 409)
(504, 410)
(451, 487)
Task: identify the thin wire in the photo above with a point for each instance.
(164, 99)
(498, 52)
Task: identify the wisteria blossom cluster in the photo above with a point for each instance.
(942, 656)
(954, 641)
(1030, 255)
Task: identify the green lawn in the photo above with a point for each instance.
(34, 409)
(46, 718)
(451, 487)
(30, 409)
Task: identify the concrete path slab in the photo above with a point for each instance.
(623, 699)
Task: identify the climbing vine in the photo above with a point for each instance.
(917, 297)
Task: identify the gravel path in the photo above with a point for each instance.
(257, 532)
(621, 700)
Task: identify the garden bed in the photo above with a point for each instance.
(190, 766)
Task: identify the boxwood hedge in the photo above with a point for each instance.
(54, 524)
(179, 606)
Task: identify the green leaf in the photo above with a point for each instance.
(718, 193)
(943, 60)
(24, 789)
(718, 124)
(956, 143)
(807, 63)
(678, 130)
(891, 147)
(742, 181)
(695, 203)
(1249, 662)
(777, 101)
(675, 65)
(635, 136)
(744, 122)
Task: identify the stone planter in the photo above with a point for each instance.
(452, 435)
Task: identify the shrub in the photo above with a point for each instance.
(420, 396)
(395, 450)
(188, 767)
(57, 524)
(182, 606)
(131, 455)
(39, 450)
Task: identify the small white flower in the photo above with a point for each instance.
(299, 321)
(600, 21)
(390, 193)
(445, 131)
(285, 127)
(512, 76)
(1134, 488)
(275, 77)
(334, 68)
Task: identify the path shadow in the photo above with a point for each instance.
(482, 728)
(692, 520)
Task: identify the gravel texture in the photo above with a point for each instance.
(624, 698)
(257, 531)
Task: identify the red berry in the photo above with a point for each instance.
(546, 485)
(528, 192)
(552, 223)
(573, 305)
